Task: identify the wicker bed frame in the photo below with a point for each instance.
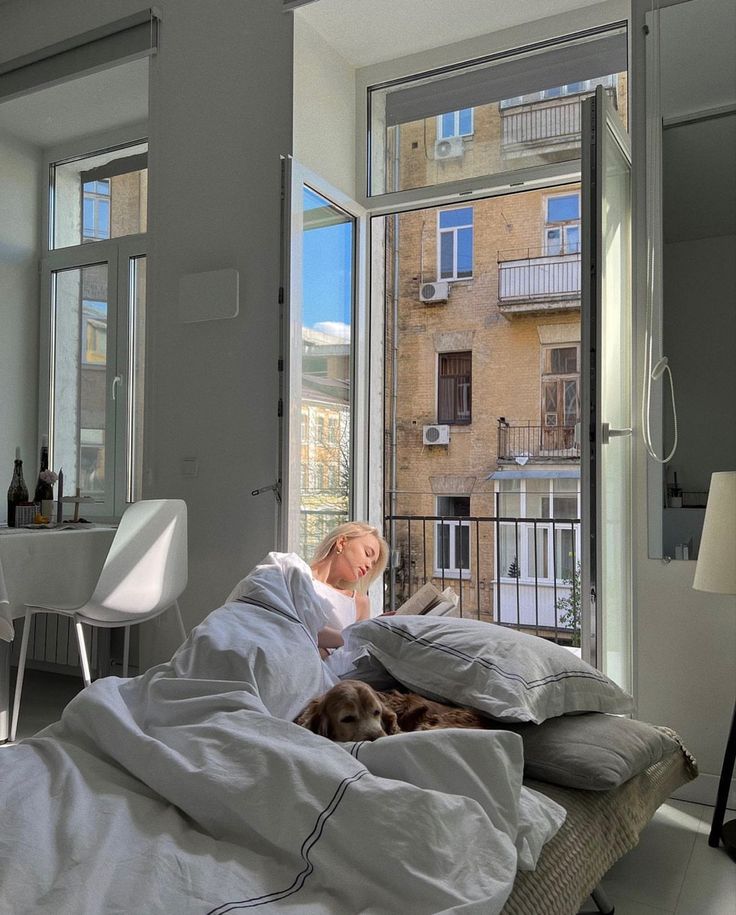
(601, 827)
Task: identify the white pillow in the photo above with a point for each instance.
(506, 674)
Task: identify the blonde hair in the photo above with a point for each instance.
(351, 530)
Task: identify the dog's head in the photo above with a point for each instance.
(351, 710)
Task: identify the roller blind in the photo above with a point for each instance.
(114, 43)
(570, 62)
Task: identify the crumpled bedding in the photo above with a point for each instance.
(188, 789)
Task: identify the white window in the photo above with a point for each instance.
(452, 537)
(562, 225)
(455, 256)
(92, 372)
(455, 124)
(540, 534)
(577, 88)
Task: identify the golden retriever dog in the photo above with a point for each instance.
(352, 710)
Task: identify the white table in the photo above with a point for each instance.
(59, 565)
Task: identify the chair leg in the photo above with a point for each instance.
(180, 621)
(126, 650)
(83, 659)
(21, 672)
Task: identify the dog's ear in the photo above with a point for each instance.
(389, 721)
(314, 719)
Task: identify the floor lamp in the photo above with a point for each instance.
(716, 572)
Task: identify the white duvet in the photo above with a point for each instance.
(189, 790)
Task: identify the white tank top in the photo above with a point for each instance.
(342, 605)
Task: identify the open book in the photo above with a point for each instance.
(431, 602)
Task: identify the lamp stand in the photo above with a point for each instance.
(718, 830)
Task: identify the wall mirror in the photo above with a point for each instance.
(698, 271)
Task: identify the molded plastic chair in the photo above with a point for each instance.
(144, 574)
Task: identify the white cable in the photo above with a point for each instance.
(654, 220)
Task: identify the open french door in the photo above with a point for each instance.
(323, 360)
(606, 427)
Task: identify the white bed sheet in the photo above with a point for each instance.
(189, 790)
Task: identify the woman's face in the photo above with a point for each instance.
(359, 555)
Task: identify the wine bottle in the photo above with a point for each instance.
(44, 490)
(17, 491)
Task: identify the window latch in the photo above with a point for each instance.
(118, 379)
(275, 487)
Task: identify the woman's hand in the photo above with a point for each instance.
(330, 638)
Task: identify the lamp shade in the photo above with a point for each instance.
(716, 568)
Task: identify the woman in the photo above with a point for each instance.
(344, 565)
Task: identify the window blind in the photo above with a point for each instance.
(564, 63)
(114, 43)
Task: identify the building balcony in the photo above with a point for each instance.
(539, 285)
(553, 124)
(523, 573)
(525, 443)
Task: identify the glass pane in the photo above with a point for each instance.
(616, 342)
(87, 207)
(453, 218)
(538, 551)
(537, 498)
(566, 549)
(464, 252)
(462, 546)
(563, 209)
(443, 546)
(136, 359)
(521, 117)
(509, 550)
(447, 267)
(466, 121)
(327, 310)
(80, 378)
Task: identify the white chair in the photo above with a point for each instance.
(144, 574)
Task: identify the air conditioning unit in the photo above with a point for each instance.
(449, 148)
(436, 435)
(434, 292)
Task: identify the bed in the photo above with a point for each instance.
(188, 789)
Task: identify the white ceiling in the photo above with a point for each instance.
(90, 104)
(370, 31)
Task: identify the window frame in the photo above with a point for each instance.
(456, 129)
(123, 483)
(453, 528)
(524, 551)
(453, 232)
(455, 421)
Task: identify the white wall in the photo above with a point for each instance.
(324, 108)
(220, 117)
(685, 640)
(20, 225)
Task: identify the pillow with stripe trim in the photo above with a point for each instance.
(506, 674)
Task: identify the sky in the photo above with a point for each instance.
(327, 268)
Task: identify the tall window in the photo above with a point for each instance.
(560, 387)
(452, 537)
(562, 224)
(92, 375)
(454, 388)
(456, 243)
(535, 548)
(455, 124)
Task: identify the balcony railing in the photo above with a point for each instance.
(536, 443)
(533, 279)
(537, 590)
(543, 123)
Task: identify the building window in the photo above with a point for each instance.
(562, 225)
(560, 393)
(533, 548)
(94, 367)
(455, 124)
(456, 243)
(454, 388)
(576, 88)
(452, 537)
(95, 210)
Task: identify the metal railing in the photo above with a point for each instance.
(544, 277)
(537, 590)
(542, 122)
(536, 443)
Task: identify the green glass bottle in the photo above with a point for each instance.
(17, 491)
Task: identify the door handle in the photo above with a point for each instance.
(118, 379)
(607, 433)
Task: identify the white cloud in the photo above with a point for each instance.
(334, 329)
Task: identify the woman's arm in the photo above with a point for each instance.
(327, 637)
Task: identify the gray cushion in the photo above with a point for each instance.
(592, 751)
(506, 674)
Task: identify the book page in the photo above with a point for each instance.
(421, 601)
